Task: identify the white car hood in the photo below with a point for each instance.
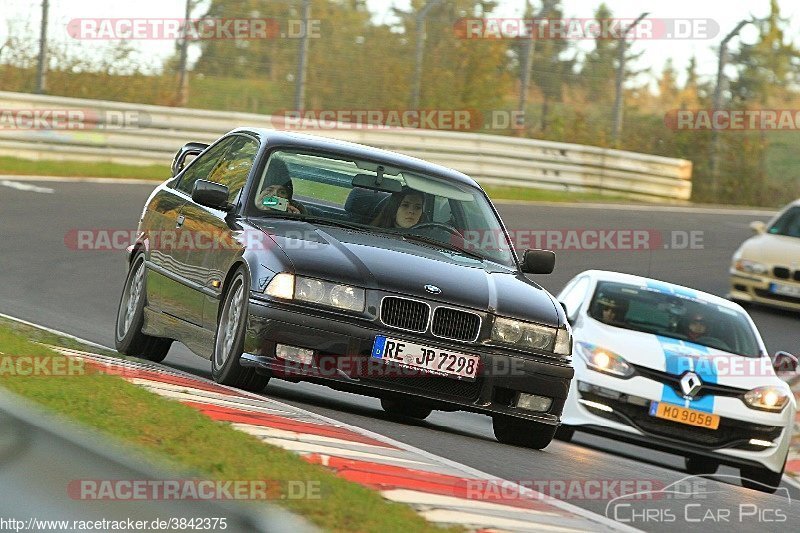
(676, 356)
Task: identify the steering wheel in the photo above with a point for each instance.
(448, 229)
(719, 343)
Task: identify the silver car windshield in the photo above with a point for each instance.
(426, 209)
(788, 224)
(679, 316)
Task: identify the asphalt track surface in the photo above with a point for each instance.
(44, 281)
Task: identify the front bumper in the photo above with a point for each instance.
(342, 347)
(629, 421)
(756, 289)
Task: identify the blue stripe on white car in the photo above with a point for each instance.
(681, 357)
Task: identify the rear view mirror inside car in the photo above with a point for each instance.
(368, 181)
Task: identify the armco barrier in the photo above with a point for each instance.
(157, 132)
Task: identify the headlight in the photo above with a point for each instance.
(290, 287)
(751, 267)
(564, 341)
(523, 334)
(603, 360)
(767, 399)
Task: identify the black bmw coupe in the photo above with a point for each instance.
(290, 256)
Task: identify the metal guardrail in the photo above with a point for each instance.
(152, 134)
(42, 456)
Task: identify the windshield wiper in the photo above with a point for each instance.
(440, 244)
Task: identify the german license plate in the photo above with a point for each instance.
(786, 290)
(683, 415)
(434, 360)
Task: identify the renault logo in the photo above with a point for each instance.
(690, 385)
(433, 289)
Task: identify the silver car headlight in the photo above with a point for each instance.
(287, 286)
(770, 398)
(528, 335)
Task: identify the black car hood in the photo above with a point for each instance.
(386, 262)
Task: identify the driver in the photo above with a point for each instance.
(697, 327)
(403, 210)
(611, 311)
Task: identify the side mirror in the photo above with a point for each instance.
(538, 261)
(211, 195)
(185, 155)
(570, 316)
(758, 227)
(784, 362)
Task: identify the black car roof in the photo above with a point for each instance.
(356, 151)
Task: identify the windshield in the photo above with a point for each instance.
(673, 315)
(788, 224)
(427, 210)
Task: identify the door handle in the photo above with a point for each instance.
(181, 220)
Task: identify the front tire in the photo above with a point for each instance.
(564, 433)
(759, 478)
(229, 339)
(519, 432)
(128, 336)
(409, 409)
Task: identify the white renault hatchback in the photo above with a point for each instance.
(679, 370)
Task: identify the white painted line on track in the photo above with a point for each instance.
(26, 187)
(56, 332)
(65, 179)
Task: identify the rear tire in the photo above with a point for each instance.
(229, 338)
(701, 466)
(408, 409)
(128, 336)
(760, 478)
(519, 432)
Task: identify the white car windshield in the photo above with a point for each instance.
(324, 188)
(679, 316)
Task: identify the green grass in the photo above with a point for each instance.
(81, 169)
(170, 431)
(541, 195)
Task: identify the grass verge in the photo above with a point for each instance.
(82, 169)
(170, 431)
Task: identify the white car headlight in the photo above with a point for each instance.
(290, 287)
(603, 360)
(767, 399)
(751, 267)
(523, 334)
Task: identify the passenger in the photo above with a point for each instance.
(279, 184)
(403, 210)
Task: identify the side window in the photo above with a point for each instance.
(204, 165)
(574, 295)
(233, 169)
(441, 210)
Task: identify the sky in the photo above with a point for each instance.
(727, 13)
